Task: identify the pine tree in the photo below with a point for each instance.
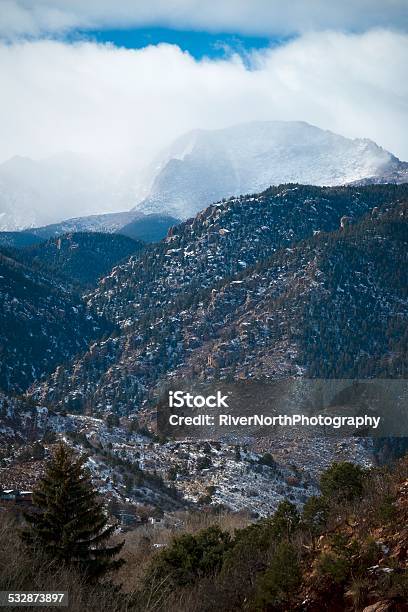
(68, 521)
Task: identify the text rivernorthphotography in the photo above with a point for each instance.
(283, 420)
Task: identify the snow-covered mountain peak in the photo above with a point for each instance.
(205, 165)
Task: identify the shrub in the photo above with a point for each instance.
(285, 520)
(253, 542)
(203, 463)
(342, 481)
(369, 554)
(386, 510)
(283, 576)
(315, 513)
(249, 550)
(190, 557)
(335, 567)
(347, 557)
(268, 460)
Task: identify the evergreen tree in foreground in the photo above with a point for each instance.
(68, 522)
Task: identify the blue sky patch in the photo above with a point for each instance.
(198, 44)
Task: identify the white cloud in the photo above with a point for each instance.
(36, 17)
(127, 104)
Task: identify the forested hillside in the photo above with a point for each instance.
(18, 239)
(81, 257)
(238, 292)
(42, 324)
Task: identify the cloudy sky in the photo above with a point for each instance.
(122, 79)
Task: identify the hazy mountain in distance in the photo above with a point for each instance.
(35, 193)
(108, 223)
(134, 224)
(204, 166)
(199, 168)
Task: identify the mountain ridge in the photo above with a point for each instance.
(80, 257)
(205, 165)
(205, 302)
(198, 168)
